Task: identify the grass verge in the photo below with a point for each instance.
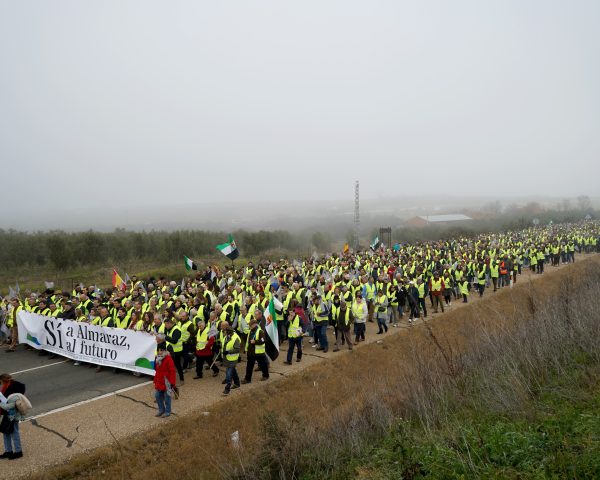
(557, 435)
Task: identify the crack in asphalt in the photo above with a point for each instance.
(135, 400)
(70, 442)
(313, 355)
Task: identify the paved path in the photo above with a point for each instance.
(53, 383)
(77, 409)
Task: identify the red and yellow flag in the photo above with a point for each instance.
(117, 281)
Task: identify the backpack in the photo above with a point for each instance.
(22, 403)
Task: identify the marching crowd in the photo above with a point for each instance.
(214, 318)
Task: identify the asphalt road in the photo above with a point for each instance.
(55, 382)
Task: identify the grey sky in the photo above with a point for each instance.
(146, 102)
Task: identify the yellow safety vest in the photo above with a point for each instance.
(357, 309)
(177, 347)
(200, 313)
(202, 338)
(493, 271)
(481, 276)
(232, 357)
(295, 330)
(12, 319)
(245, 327)
(318, 315)
(258, 349)
(299, 294)
(370, 291)
(185, 334)
(122, 322)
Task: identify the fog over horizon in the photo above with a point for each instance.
(133, 112)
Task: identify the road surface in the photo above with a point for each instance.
(53, 383)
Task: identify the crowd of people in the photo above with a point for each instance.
(212, 320)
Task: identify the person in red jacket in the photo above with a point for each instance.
(164, 380)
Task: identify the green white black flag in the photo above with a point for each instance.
(189, 264)
(229, 249)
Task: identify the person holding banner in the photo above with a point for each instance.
(164, 380)
(12, 324)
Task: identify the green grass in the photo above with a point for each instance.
(556, 436)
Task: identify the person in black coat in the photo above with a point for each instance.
(412, 295)
(68, 312)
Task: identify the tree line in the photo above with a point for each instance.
(64, 250)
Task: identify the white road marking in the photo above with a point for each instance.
(83, 402)
(37, 368)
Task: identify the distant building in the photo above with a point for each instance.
(424, 220)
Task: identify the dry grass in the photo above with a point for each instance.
(494, 351)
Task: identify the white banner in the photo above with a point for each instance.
(113, 347)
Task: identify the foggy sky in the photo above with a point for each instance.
(133, 103)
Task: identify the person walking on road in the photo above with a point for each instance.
(320, 312)
(255, 350)
(412, 295)
(231, 355)
(164, 380)
(295, 335)
(360, 312)
(437, 288)
(10, 418)
(381, 309)
(344, 319)
(204, 349)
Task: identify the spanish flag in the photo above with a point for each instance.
(117, 281)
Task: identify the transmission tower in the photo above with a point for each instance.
(356, 216)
